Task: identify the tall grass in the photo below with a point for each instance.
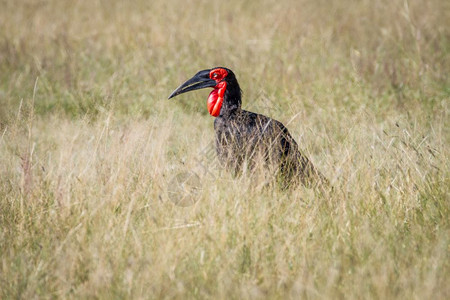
(89, 148)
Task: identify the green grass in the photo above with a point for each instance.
(89, 146)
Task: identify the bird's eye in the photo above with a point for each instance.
(214, 75)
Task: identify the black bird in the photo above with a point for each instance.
(246, 138)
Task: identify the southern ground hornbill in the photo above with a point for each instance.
(245, 138)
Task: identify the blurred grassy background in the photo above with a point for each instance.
(89, 143)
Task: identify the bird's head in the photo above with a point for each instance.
(224, 85)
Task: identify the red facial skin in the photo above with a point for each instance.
(215, 98)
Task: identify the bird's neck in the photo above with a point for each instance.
(231, 101)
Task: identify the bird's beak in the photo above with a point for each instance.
(199, 81)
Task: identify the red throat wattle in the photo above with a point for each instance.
(215, 99)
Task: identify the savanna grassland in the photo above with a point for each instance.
(90, 145)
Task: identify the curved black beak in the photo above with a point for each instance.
(199, 81)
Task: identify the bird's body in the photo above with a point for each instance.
(247, 139)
